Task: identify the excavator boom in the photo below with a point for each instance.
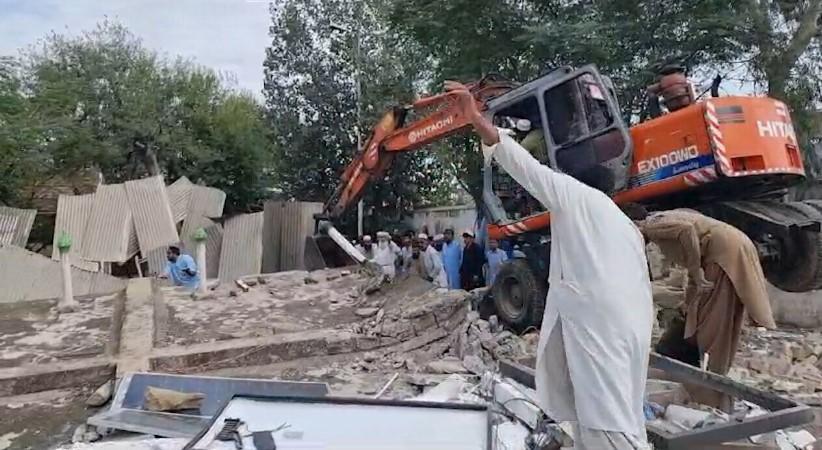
(439, 119)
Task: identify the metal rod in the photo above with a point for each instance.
(387, 385)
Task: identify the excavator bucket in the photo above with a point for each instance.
(322, 252)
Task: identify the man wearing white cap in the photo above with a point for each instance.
(385, 255)
(592, 356)
(432, 262)
(366, 247)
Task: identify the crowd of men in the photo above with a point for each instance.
(440, 258)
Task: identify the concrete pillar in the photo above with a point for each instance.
(67, 302)
(200, 239)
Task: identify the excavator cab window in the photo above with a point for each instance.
(524, 121)
(585, 127)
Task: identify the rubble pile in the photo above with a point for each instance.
(785, 362)
(437, 333)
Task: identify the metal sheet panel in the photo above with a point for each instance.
(356, 423)
(272, 221)
(22, 228)
(206, 201)
(297, 223)
(153, 219)
(26, 275)
(108, 235)
(127, 411)
(179, 194)
(73, 212)
(8, 227)
(214, 240)
(242, 249)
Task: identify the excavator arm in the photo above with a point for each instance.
(439, 119)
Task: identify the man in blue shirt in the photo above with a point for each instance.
(452, 259)
(181, 269)
(495, 257)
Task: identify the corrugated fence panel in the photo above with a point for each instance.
(109, 231)
(8, 227)
(297, 222)
(25, 219)
(290, 246)
(214, 240)
(25, 275)
(273, 211)
(153, 219)
(73, 212)
(156, 260)
(179, 194)
(206, 201)
(241, 251)
(214, 244)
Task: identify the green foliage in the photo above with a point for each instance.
(103, 101)
(310, 88)
(770, 43)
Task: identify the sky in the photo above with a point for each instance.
(229, 36)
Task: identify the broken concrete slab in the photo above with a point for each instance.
(137, 334)
(248, 352)
(33, 333)
(26, 276)
(43, 377)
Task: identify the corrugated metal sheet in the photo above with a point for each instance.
(156, 260)
(153, 219)
(179, 194)
(272, 218)
(25, 275)
(25, 219)
(242, 249)
(206, 201)
(297, 222)
(8, 227)
(109, 234)
(73, 212)
(214, 233)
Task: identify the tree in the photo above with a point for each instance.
(310, 87)
(104, 100)
(20, 160)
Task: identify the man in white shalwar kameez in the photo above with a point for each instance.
(596, 331)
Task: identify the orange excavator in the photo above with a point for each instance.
(731, 157)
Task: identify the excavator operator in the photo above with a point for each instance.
(596, 330)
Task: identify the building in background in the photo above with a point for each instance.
(438, 218)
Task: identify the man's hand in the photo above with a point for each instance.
(468, 106)
(466, 100)
(162, 276)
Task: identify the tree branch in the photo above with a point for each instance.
(808, 27)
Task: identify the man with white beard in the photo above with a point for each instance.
(385, 255)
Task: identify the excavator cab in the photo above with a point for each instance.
(575, 122)
(568, 120)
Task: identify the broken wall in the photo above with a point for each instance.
(26, 275)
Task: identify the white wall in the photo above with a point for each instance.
(437, 219)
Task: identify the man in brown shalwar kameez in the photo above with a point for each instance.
(725, 280)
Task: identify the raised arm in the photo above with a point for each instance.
(553, 189)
